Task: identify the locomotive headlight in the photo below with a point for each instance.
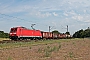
(14, 33)
(10, 33)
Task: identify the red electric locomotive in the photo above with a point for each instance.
(24, 33)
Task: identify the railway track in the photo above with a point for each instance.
(5, 41)
(15, 41)
(12, 41)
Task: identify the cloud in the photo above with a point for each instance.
(79, 18)
(65, 14)
(82, 18)
(55, 14)
(42, 15)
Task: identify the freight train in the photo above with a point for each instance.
(22, 33)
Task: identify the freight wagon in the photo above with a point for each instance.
(47, 35)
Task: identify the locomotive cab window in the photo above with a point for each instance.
(13, 30)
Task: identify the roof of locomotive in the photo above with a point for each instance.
(24, 28)
(19, 27)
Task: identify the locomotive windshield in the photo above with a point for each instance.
(13, 30)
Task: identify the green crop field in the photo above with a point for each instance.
(32, 43)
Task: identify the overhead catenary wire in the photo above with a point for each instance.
(50, 27)
(12, 16)
(20, 19)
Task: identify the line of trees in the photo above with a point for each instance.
(3, 34)
(57, 32)
(82, 33)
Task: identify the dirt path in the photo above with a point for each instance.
(68, 50)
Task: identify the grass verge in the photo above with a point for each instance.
(1, 39)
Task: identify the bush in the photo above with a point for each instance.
(4, 35)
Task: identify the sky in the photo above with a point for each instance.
(44, 13)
